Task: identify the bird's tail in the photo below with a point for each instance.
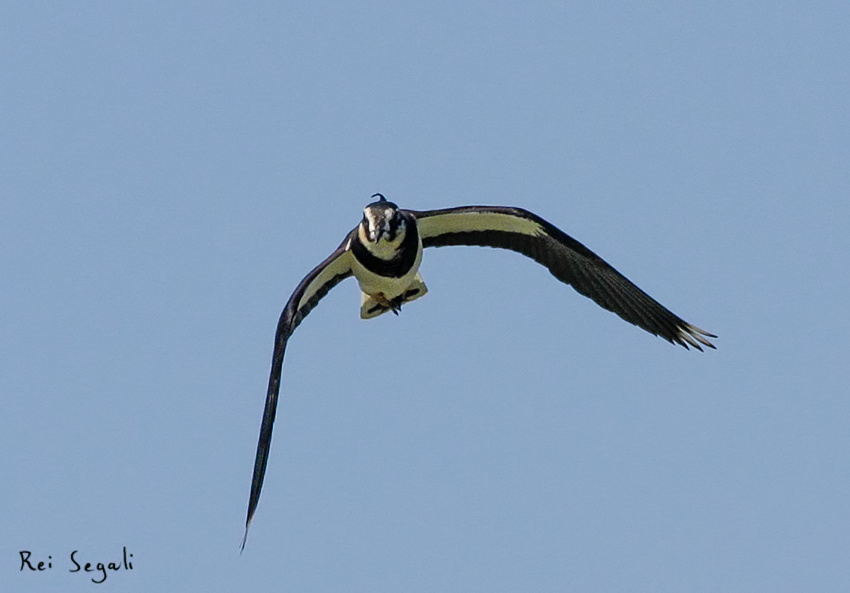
(371, 306)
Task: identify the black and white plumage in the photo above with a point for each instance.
(384, 252)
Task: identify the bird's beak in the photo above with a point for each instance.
(378, 232)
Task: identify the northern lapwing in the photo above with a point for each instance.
(384, 251)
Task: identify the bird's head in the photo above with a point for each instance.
(383, 224)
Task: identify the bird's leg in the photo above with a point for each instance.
(393, 305)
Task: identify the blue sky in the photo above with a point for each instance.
(170, 172)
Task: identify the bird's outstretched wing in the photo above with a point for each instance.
(329, 273)
(568, 260)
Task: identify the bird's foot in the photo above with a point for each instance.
(393, 305)
(377, 304)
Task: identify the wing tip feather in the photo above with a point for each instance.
(690, 335)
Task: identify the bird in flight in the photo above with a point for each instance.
(384, 251)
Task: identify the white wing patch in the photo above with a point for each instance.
(340, 265)
(464, 222)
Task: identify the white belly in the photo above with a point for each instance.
(377, 290)
(374, 285)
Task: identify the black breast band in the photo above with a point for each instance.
(399, 265)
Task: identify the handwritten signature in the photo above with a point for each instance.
(100, 569)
